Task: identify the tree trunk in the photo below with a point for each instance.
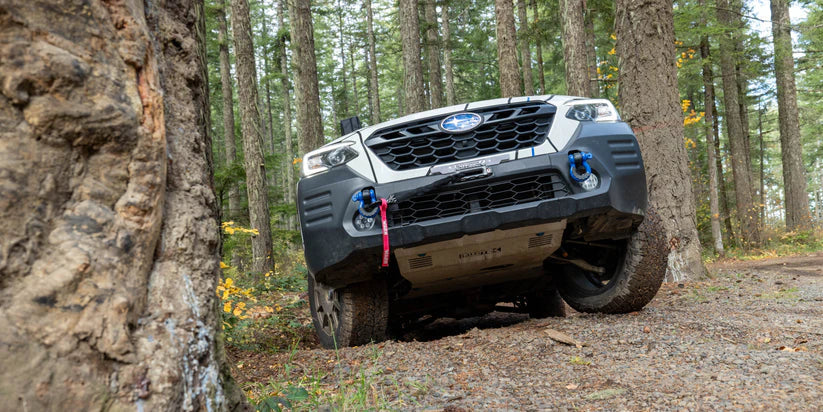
(374, 88)
(267, 87)
(109, 217)
(283, 65)
(356, 99)
(507, 49)
(309, 122)
(252, 139)
(414, 95)
(714, 203)
(228, 106)
(433, 55)
(725, 209)
(591, 55)
(447, 55)
(798, 216)
(541, 76)
(650, 103)
(574, 48)
(525, 53)
(746, 210)
(344, 99)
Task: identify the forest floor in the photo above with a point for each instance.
(749, 338)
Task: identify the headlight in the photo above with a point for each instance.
(327, 157)
(598, 110)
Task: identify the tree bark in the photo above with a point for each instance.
(344, 100)
(591, 54)
(650, 103)
(374, 87)
(252, 138)
(746, 210)
(507, 49)
(451, 97)
(574, 48)
(433, 55)
(228, 106)
(798, 216)
(414, 95)
(109, 226)
(541, 75)
(283, 66)
(309, 122)
(355, 97)
(708, 87)
(525, 53)
(266, 75)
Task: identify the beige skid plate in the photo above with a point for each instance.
(475, 260)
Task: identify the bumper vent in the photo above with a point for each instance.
(423, 143)
(478, 196)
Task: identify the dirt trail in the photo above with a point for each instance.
(751, 338)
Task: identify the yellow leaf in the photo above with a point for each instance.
(227, 307)
(229, 282)
(237, 311)
(225, 294)
(268, 309)
(612, 51)
(613, 37)
(241, 305)
(296, 161)
(223, 265)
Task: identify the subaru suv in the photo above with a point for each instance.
(506, 204)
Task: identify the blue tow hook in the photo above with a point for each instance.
(579, 168)
(358, 197)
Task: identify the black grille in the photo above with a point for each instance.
(477, 196)
(423, 143)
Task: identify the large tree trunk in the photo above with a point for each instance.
(261, 244)
(591, 53)
(447, 55)
(355, 98)
(266, 75)
(283, 66)
(108, 218)
(309, 122)
(541, 75)
(525, 53)
(794, 176)
(228, 106)
(746, 209)
(414, 95)
(714, 203)
(344, 99)
(507, 49)
(650, 104)
(433, 55)
(374, 88)
(574, 48)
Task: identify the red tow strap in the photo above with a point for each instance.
(385, 225)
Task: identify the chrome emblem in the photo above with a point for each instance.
(461, 122)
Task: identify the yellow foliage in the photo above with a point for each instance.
(223, 265)
(685, 105)
(612, 52)
(613, 36)
(227, 307)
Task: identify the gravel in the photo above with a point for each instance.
(749, 338)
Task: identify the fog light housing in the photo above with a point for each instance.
(591, 183)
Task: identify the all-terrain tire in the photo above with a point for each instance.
(545, 303)
(635, 280)
(363, 315)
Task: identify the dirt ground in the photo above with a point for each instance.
(749, 338)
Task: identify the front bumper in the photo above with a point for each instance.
(337, 254)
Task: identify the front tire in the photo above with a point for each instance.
(349, 316)
(634, 271)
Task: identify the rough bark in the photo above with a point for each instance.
(708, 87)
(794, 176)
(414, 94)
(507, 49)
(574, 48)
(650, 104)
(433, 55)
(269, 115)
(283, 67)
(541, 75)
(344, 99)
(228, 106)
(447, 55)
(525, 53)
(252, 138)
(591, 54)
(109, 238)
(746, 209)
(309, 122)
(374, 87)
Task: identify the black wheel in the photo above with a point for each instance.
(545, 303)
(633, 271)
(353, 315)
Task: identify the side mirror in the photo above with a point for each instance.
(349, 125)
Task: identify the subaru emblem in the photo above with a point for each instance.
(461, 122)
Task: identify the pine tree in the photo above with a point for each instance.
(414, 94)
(309, 122)
(447, 54)
(525, 53)
(574, 48)
(374, 87)
(228, 106)
(507, 49)
(433, 55)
